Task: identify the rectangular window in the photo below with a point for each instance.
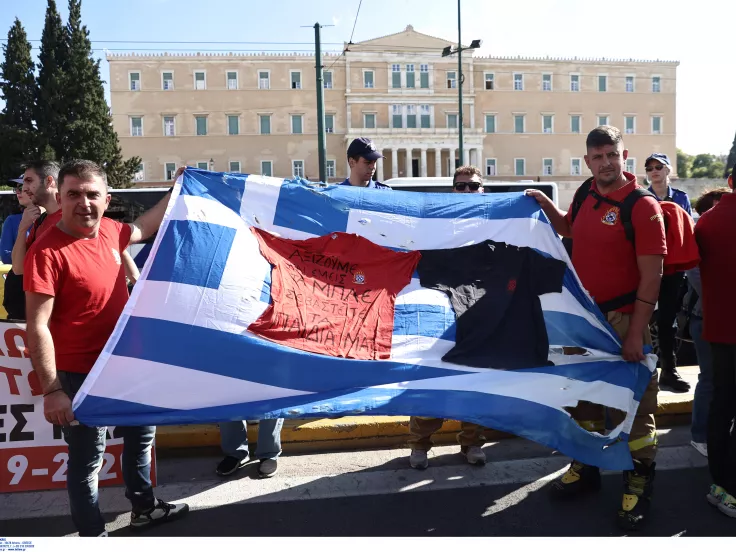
(602, 120)
(547, 124)
(140, 174)
(575, 166)
(233, 125)
(490, 124)
(201, 124)
(489, 79)
(657, 125)
(518, 81)
(200, 80)
(451, 79)
(234, 167)
(330, 168)
(330, 123)
(167, 79)
(396, 76)
(631, 165)
(265, 124)
(519, 124)
(396, 117)
(656, 84)
(135, 81)
(602, 83)
(574, 83)
(452, 120)
(169, 171)
(519, 167)
(575, 124)
(264, 80)
(169, 126)
(297, 168)
(426, 116)
(296, 124)
(630, 124)
(266, 168)
(368, 79)
(410, 76)
(232, 80)
(136, 126)
(296, 80)
(547, 166)
(203, 165)
(629, 83)
(327, 79)
(424, 76)
(490, 167)
(547, 83)
(369, 120)
(411, 116)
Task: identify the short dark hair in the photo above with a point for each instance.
(467, 170)
(706, 201)
(604, 135)
(43, 169)
(82, 169)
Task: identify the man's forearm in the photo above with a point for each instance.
(558, 219)
(19, 253)
(149, 222)
(647, 295)
(41, 348)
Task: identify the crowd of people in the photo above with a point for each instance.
(633, 249)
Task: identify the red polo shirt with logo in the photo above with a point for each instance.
(603, 258)
(87, 280)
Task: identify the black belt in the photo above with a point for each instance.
(618, 302)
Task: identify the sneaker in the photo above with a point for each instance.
(702, 448)
(230, 465)
(672, 380)
(638, 486)
(418, 459)
(578, 479)
(722, 500)
(714, 495)
(268, 467)
(475, 455)
(160, 513)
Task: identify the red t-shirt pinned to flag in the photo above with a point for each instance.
(333, 295)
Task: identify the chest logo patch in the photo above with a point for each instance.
(610, 217)
(116, 256)
(359, 278)
(511, 286)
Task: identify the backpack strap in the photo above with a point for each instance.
(579, 198)
(627, 208)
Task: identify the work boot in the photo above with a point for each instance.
(474, 455)
(670, 378)
(638, 486)
(578, 479)
(418, 459)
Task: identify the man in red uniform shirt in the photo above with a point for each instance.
(715, 233)
(75, 292)
(610, 267)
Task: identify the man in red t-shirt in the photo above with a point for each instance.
(611, 267)
(715, 233)
(75, 293)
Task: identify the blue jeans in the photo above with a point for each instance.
(86, 450)
(234, 439)
(704, 388)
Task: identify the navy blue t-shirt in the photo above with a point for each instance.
(372, 184)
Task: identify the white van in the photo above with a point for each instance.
(444, 184)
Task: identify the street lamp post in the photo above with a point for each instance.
(448, 51)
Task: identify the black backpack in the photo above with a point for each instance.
(626, 207)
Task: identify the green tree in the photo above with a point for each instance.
(50, 112)
(731, 161)
(17, 134)
(684, 162)
(89, 127)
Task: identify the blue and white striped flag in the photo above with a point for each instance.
(181, 352)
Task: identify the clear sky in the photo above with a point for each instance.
(701, 35)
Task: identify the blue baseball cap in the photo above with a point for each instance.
(18, 180)
(364, 147)
(661, 157)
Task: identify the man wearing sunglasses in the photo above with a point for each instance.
(14, 299)
(467, 180)
(658, 170)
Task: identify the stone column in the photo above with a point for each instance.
(423, 163)
(438, 162)
(481, 163)
(452, 161)
(407, 171)
(394, 163)
(379, 168)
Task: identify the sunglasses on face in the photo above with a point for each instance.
(650, 168)
(460, 186)
(18, 189)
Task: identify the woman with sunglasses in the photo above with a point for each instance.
(13, 298)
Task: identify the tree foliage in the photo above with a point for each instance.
(703, 165)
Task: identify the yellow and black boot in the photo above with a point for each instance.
(638, 486)
(578, 479)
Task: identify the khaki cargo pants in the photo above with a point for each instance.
(643, 437)
(422, 429)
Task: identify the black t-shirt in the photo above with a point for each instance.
(494, 289)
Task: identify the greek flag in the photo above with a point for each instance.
(181, 352)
